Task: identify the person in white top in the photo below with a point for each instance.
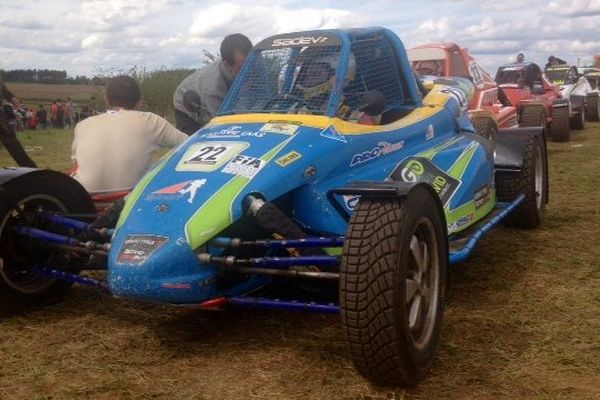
(113, 150)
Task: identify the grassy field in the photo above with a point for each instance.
(522, 322)
(48, 93)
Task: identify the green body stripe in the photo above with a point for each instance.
(430, 153)
(137, 191)
(216, 213)
(469, 208)
(459, 167)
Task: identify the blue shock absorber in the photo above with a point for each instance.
(46, 236)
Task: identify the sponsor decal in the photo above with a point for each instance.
(458, 95)
(137, 248)
(299, 41)
(209, 156)
(332, 133)
(419, 169)
(381, 149)
(430, 133)
(481, 196)
(283, 127)
(234, 131)
(244, 166)
(288, 158)
(178, 190)
(476, 74)
(350, 201)
(459, 223)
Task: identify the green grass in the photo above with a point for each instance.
(522, 322)
(50, 148)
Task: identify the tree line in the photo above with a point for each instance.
(51, 76)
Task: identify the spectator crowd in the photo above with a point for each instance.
(61, 114)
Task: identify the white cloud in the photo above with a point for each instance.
(261, 21)
(83, 36)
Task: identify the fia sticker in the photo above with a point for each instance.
(288, 158)
(283, 127)
(244, 166)
(209, 156)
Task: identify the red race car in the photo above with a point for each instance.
(488, 109)
(540, 103)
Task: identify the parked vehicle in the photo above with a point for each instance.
(329, 182)
(573, 87)
(538, 101)
(488, 113)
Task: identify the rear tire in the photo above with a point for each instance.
(559, 130)
(392, 286)
(532, 181)
(533, 116)
(40, 189)
(486, 127)
(592, 107)
(578, 120)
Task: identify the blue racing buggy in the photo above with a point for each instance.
(330, 181)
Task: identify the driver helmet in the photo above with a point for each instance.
(316, 76)
(520, 57)
(430, 67)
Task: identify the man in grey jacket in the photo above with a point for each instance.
(210, 85)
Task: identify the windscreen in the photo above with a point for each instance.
(282, 79)
(427, 61)
(557, 75)
(511, 76)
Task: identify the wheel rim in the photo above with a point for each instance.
(422, 283)
(19, 278)
(539, 178)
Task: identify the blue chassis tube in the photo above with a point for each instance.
(266, 303)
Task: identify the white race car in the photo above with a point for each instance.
(583, 97)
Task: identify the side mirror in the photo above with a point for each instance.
(191, 101)
(372, 103)
(537, 88)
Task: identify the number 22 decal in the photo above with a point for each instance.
(208, 156)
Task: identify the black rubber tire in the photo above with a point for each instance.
(577, 121)
(529, 214)
(54, 192)
(559, 129)
(374, 268)
(532, 116)
(486, 127)
(592, 107)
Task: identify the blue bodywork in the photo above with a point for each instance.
(198, 190)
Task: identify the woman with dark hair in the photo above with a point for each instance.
(113, 150)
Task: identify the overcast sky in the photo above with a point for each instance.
(90, 36)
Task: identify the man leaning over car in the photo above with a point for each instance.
(210, 85)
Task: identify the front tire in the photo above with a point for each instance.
(532, 115)
(578, 120)
(392, 286)
(592, 106)
(21, 197)
(486, 127)
(559, 130)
